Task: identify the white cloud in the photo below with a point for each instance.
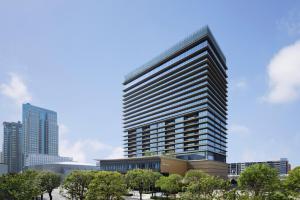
(16, 89)
(63, 130)
(116, 153)
(290, 23)
(284, 75)
(238, 129)
(87, 149)
(241, 84)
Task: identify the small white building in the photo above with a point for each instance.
(64, 168)
(40, 159)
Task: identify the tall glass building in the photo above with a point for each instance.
(12, 146)
(177, 102)
(40, 130)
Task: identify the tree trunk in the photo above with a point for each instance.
(42, 197)
(141, 195)
(50, 195)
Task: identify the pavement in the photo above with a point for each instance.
(56, 196)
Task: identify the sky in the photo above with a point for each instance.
(72, 56)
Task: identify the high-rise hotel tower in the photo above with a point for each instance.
(177, 102)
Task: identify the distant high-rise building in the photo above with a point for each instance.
(40, 130)
(12, 146)
(1, 156)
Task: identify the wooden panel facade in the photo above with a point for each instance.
(173, 166)
(214, 168)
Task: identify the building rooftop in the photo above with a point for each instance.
(141, 158)
(70, 163)
(38, 108)
(195, 37)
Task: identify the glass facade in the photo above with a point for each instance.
(125, 165)
(40, 130)
(177, 102)
(39, 159)
(12, 146)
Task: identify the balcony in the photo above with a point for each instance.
(170, 143)
(170, 138)
(190, 129)
(190, 139)
(169, 128)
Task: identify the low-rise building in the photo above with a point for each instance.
(64, 168)
(40, 159)
(282, 166)
(164, 165)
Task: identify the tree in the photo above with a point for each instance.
(153, 178)
(22, 186)
(292, 182)
(106, 186)
(170, 184)
(169, 154)
(193, 176)
(48, 181)
(139, 179)
(76, 184)
(149, 153)
(259, 179)
(206, 188)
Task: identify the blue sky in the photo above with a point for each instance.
(71, 57)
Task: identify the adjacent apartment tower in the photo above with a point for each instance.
(12, 146)
(177, 102)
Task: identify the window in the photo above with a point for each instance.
(161, 124)
(179, 130)
(179, 125)
(179, 140)
(153, 126)
(179, 135)
(180, 119)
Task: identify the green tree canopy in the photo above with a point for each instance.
(139, 179)
(259, 179)
(22, 186)
(76, 184)
(205, 188)
(149, 153)
(194, 176)
(153, 178)
(107, 186)
(170, 184)
(48, 181)
(292, 182)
